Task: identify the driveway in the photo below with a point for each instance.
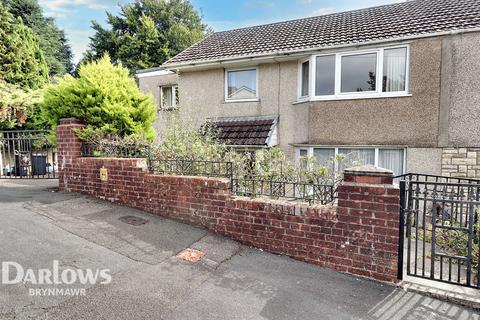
(39, 226)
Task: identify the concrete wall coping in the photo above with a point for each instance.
(70, 121)
(368, 170)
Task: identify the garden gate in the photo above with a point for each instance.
(440, 226)
(26, 154)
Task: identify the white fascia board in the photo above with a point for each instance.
(154, 73)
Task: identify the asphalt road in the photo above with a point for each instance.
(38, 227)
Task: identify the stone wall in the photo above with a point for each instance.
(359, 236)
(461, 162)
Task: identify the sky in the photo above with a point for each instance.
(75, 16)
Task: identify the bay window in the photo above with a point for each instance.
(325, 75)
(305, 74)
(241, 85)
(356, 74)
(385, 157)
(394, 69)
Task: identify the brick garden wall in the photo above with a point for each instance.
(359, 236)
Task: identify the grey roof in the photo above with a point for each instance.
(245, 131)
(382, 23)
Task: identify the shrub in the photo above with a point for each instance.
(16, 105)
(105, 97)
(181, 140)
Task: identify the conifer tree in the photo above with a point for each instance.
(21, 61)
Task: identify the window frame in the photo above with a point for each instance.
(338, 95)
(226, 84)
(310, 152)
(174, 97)
(300, 78)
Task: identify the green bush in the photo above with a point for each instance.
(181, 140)
(16, 105)
(105, 97)
(21, 61)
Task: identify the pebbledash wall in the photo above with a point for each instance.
(359, 235)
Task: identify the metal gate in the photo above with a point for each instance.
(441, 228)
(26, 155)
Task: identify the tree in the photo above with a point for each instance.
(52, 40)
(21, 60)
(147, 33)
(105, 97)
(16, 105)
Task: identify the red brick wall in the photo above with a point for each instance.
(360, 236)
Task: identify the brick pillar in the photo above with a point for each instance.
(69, 146)
(369, 213)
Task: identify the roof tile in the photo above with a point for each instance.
(251, 132)
(353, 27)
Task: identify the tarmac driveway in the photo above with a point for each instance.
(38, 227)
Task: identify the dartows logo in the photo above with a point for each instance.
(15, 273)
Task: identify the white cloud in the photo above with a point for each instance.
(56, 15)
(322, 11)
(66, 5)
(79, 41)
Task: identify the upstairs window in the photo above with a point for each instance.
(241, 85)
(168, 97)
(305, 75)
(325, 75)
(394, 69)
(358, 74)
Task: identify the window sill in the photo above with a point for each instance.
(354, 97)
(242, 100)
(168, 109)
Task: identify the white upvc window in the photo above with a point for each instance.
(241, 84)
(168, 97)
(304, 79)
(392, 158)
(372, 73)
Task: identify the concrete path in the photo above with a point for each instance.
(38, 226)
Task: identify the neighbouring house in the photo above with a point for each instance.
(396, 86)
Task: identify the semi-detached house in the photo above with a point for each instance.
(397, 86)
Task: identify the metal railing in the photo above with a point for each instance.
(26, 154)
(297, 191)
(440, 224)
(244, 185)
(222, 169)
(434, 178)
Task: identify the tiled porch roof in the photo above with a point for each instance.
(246, 131)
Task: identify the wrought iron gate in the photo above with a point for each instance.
(441, 228)
(26, 155)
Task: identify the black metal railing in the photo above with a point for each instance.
(191, 167)
(297, 191)
(434, 178)
(441, 228)
(27, 154)
(246, 185)
(242, 185)
(116, 150)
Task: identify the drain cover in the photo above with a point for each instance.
(191, 255)
(134, 221)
